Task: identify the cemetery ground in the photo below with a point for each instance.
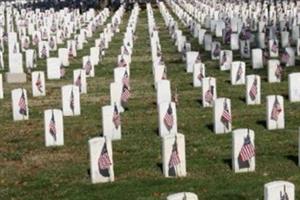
(29, 170)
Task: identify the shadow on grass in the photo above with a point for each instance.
(160, 166)
(243, 99)
(262, 123)
(210, 127)
(228, 162)
(292, 158)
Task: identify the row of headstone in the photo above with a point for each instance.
(173, 142)
(100, 148)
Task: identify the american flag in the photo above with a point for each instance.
(274, 47)
(239, 73)
(174, 158)
(285, 57)
(198, 58)
(38, 83)
(62, 71)
(226, 116)
(72, 100)
(52, 127)
(279, 71)
(35, 40)
(216, 51)
(209, 94)
(44, 52)
(116, 117)
(125, 94)
(78, 82)
(247, 150)
(125, 79)
(51, 43)
(104, 159)
(26, 43)
(276, 110)
(126, 52)
(168, 118)
(15, 50)
(71, 50)
(22, 104)
(88, 67)
(253, 90)
(200, 75)
(224, 58)
(164, 75)
(122, 63)
(284, 195)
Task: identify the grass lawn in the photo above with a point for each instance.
(29, 170)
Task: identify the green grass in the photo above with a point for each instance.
(29, 170)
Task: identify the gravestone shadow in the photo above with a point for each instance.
(262, 123)
(160, 166)
(228, 162)
(292, 158)
(210, 127)
(243, 99)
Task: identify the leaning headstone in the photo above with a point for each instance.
(275, 112)
(243, 150)
(70, 100)
(111, 122)
(294, 87)
(19, 104)
(38, 83)
(238, 73)
(253, 90)
(183, 195)
(167, 119)
(101, 160)
(54, 127)
(209, 91)
(173, 155)
(281, 190)
(222, 116)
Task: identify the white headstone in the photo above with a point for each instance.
(173, 156)
(238, 73)
(209, 91)
(70, 100)
(38, 83)
(225, 60)
(275, 71)
(278, 190)
(222, 116)
(54, 127)
(167, 118)
(253, 90)
(275, 112)
(257, 59)
(63, 55)
(101, 160)
(243, 150)
(19, 104)
(163, 92)
(198, 74)
(79, 79)
(294, 87)
(111, 122)
(53, 68)
(183, 195)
